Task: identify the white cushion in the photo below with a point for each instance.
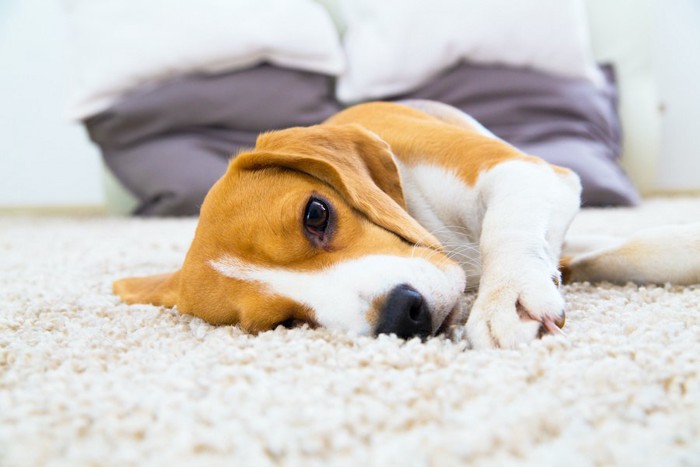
(393, 46)
(122, 44)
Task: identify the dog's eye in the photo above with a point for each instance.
(316, 217)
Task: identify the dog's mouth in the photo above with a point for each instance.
(293, 323)
(452, 318)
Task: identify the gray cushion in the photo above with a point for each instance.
(170, 143)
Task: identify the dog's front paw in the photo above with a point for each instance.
(515, 312)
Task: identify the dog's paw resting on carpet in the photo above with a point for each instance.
(331, 225)
(515, 311)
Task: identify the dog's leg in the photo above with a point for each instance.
(527, 208)
(657, 255)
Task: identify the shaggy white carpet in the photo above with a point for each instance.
(85, 380)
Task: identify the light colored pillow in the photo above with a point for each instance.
(392, 46)
(120, 45)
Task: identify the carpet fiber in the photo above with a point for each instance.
(86, 380)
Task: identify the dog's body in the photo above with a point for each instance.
(377, 221)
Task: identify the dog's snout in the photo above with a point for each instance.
(405, 313)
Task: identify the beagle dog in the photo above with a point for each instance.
(379, 219)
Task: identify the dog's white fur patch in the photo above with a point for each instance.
(447, 208)
(342, 294)
(528, 208)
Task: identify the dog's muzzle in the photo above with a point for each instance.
(405, 313)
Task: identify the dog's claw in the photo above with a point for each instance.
(553, 327)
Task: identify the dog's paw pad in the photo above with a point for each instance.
(513, 317)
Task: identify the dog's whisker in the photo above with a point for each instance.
(450, 228)
(464, 252)
(464, 256)
(461, 245)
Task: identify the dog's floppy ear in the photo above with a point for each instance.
(352, 160)
(357, 153)
(161, 289)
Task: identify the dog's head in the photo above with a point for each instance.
(311, 227)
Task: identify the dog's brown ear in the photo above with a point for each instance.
(352, 160)
(161, 289)
(356, 152)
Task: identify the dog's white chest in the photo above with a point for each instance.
(447, 208)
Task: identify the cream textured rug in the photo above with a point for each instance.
(85, 380)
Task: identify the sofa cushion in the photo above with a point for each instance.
(169, 144)
(121, 45)
(392, 46)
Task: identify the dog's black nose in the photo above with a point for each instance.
(405, 314)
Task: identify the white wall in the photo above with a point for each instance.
(45, 160)
(621, 34)
(677, 64)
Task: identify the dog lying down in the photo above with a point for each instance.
(379, 219)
